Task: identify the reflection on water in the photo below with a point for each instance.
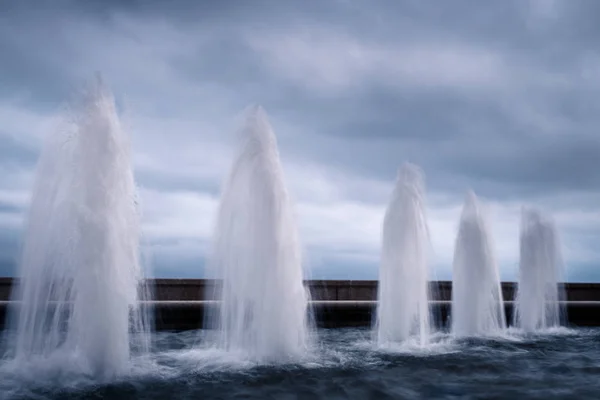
(344, 363)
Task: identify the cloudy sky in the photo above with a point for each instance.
(498, 96)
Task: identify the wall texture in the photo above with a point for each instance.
(346, 303)
(201, 289)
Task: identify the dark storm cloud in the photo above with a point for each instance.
(178, 267)
(559, 163)
(469, 138)
(174, 182)
(9, 251)
(499, 96)
(7, 207)
(470, 141)
(15, 153)
(342, 269)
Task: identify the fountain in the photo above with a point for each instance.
(403, 293)
(257, 255)
(477, 305)
(540, 273)
(80, 271)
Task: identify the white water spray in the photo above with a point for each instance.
(477, 304)
(257, 253)
(541, 273)
(80, 271)
(403, 293)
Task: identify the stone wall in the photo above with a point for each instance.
(199, 289)
(346, 303)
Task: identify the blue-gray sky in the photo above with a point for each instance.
(498, 96)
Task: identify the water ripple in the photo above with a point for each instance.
(343, 363)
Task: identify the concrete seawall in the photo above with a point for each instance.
(179, 304)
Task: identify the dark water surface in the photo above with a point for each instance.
(344, 364)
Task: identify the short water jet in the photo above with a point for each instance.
(403, 292)
(80, 275)
(477, 304)
(257, 255)
(541, 273)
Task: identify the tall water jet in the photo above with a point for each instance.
(80, 273)
(541, 273)
(257, 256)
(403, 293)
(477, 304)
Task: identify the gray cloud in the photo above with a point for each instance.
(499, 97)
(14, 153)
(9, 251)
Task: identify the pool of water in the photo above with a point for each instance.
(343, 363)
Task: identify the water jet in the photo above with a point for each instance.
(257, 255)
(540, 273)
(80, 273)
(477, 304)
(403, 292)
